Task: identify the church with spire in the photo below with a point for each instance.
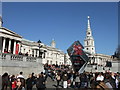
(96, 59)
(89, 40)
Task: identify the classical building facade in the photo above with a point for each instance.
(17, 51)
(15, 44)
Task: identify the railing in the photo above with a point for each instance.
(3, 56)
(31, 59)
(13, 57)
(17, 57)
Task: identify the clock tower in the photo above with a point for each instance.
(89, 41)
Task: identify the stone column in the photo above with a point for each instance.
(4, 41)
(19, 47)
(9, 46)
(34, 53)
(95, 60)
(14, 49)
(98, 60)
(44, 54)
(37, 53)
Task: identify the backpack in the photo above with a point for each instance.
(77, 79)
(58, 77)
(40, 83)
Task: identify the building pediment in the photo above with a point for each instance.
(9, 32)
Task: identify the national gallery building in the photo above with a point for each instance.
(17, 52)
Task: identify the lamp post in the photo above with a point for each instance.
(39, 45)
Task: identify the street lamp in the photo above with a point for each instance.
(39, 48)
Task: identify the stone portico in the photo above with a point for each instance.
(9, 41)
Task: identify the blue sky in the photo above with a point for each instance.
(66, 22)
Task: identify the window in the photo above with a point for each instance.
(56, 62)
(87, 48)
(51, 62)
(87, 42)
(91, 42)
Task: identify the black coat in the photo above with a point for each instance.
(29, 82)
(40, 82)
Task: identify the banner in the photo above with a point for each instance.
(17, 49)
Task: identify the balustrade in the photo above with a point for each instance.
(17, 57)
(31, 59)
(3, 56)
(7, 56)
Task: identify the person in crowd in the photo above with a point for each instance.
(69, 78)
(40, 82)
(14, 82)
(107, 80)
(30, 81)
(19, 84)
(26, 54)
(65, 78)
(49, 74)
(73, 76)
(20, 76)
(92, 81)
(84, 81)
(58, 78)
(5, 81)
(100, 77)
(20, 53)
(77, 80)
(113, 79)
(119, 80)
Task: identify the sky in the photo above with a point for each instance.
(65, 22)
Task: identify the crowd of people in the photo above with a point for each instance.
(64, 76)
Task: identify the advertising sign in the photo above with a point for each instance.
(77, 56)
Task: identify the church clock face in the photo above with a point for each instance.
(88, 33)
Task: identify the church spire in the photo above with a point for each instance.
(89, 41)
(88, 32)
(89, 23)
